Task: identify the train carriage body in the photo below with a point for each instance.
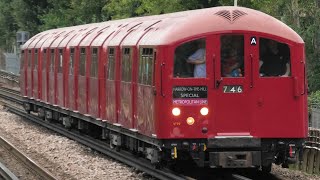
(135, 77)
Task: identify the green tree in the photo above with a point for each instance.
(118, 9)
(27, 12)
(8, 26)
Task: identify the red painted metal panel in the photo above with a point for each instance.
(60, 87)
(93, 97)
(29, 82)
(82, 104)
(51, 88)
(44, 86)
(125, 115)
(71, 93)
(111, 101)
(35, 83)
(145, 122)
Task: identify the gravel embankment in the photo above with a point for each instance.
(67, 159)
(289, 174)
(63, 157)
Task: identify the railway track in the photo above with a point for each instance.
(11, 95)
(5, 173)
(33, 167)
(103, 147)
(95, 144)
(141, 164)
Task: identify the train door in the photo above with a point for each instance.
(82, 94)
(145, 94)
(276, 105)
(51, 97)
(125, 113)
(60, 79)
(29, 73)
(23, 73)
(94, 83)
(111, 85)
(44, 76)
(35, 83)
(71, 100)
(232, 86)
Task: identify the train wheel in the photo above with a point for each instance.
(266, 169)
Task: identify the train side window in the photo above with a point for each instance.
(60, 63)
(94, 63)
(35, 66)
(52, 60)
(82, 66)
(44, 59)
(190, 59)
(22, 60)
(146, 66)
(29, 58)
(111, 64)
(232, 56)
(126, 65)
(274, 58)
(71, 61)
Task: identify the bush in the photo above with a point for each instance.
(314, 99)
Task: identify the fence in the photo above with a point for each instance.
(311, 153)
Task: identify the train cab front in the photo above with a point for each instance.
(220, 110)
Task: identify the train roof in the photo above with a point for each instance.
(164, 29)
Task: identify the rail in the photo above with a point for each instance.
(9, 76)
(6, 174)
(34, 167)
(98, 145)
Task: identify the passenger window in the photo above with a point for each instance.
(190, 60)
(94, 63)
(232, 56)
(126, 65)
(146, 66)
(71, 61)
(82, 66)
(111, 64)
(52, 61)
(60, 64)
(35, 66)
(44, 59)
(29, 58)
(274, 58)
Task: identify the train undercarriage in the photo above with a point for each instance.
(222, 152)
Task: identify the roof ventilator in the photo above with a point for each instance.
(231, 16)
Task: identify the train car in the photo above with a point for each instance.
(222, 87)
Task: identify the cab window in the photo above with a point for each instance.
(232, 56)
(190, 60)
(274, 58)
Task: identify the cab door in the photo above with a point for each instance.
(279, 93)
(232, 86)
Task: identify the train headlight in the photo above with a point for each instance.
(190, 121)
(204, 111)
(176, 111)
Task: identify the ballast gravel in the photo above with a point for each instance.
(67, 159)
(64, 158)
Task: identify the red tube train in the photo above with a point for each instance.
(223, 87)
